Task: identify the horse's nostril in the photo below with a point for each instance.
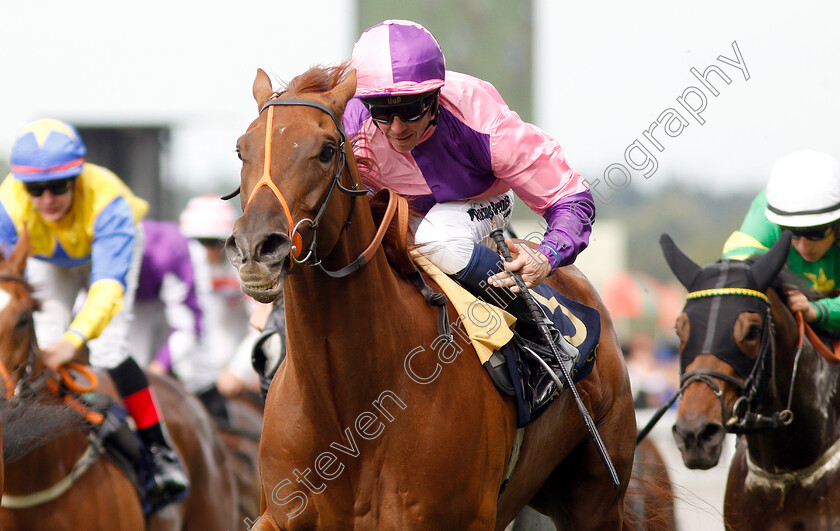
(272, 244)
(232, 251)
(711, 433)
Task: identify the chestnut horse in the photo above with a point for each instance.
(745, 371)
(376, 420)
(96, 495)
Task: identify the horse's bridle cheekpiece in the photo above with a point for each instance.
(265, 180)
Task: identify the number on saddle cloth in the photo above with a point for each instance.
(581, 326)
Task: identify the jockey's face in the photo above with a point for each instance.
(404, 136)
(52, 201)
(811, 250)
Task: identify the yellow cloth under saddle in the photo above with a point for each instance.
(488, 326)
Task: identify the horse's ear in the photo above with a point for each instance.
(681, 265)
(765, 269)
(262, 88)
(18, 257)
(341, 93)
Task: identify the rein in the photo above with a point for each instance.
(396, 205)
(742, 420)
(54, 382)
(54, 379)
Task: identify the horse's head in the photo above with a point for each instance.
(17, 306)
(294, 156)
(724, 344)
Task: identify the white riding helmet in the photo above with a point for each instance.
(804, 190)
(207, 216)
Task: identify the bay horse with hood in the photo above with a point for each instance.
(747, 368)
(375, 420)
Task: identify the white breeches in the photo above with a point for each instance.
(58, 288)
(449, 230)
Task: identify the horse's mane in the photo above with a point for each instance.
(319, 79)
(29, 423)
(324, 79)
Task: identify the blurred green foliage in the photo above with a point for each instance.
(699, 223)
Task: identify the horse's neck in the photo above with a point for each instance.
(340, 330)
(810, 384)
(44, 466)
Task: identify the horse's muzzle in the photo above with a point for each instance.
(700, 443)
(262, 261)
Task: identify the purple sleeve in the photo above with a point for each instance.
(569, 224)
(164, 357)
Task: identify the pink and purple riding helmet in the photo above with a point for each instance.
(397, 58)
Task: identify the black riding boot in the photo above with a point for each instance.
(169, 481)
(484, 263)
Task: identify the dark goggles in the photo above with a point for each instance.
(813, 234)
(382, 110)
(59, 187)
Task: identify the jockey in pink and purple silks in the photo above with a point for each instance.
(449, 141)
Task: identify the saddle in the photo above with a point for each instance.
(532, 387)
(509, 352)
(112, 436)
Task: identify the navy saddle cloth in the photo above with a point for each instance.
(580, 324)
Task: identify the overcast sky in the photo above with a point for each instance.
(184, 64)
(605, 72)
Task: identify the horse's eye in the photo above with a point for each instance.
(326, 153)
(23, 320)
(238, 153)
(753, 333)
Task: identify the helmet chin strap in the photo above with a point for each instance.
(434, 110)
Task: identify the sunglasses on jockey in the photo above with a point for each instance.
(409, 108)
(57, 187)
(813, 234)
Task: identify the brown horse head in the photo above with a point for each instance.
(17, 306)
(293, 157)
(723, 332)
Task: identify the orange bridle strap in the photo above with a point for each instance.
(265, 180)
(395, 203)
(72, 401)
(7, 381)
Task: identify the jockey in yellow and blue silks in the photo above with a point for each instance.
(803, 196)
(82, 224)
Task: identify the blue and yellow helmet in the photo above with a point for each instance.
(47, 150)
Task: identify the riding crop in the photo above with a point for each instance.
(568, 350)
